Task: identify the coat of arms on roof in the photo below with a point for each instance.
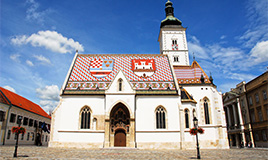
(143, 67)
(101, 67)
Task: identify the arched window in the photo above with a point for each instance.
(160, 118)
(95, 123)
(186, 113)
(120, 84)
(85, 118)
(206, 109)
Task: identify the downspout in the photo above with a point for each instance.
(135, 109)
(10, 105)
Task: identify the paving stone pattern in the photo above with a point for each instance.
(34, 152)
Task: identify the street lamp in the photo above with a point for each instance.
(195, 120)
(17, 135)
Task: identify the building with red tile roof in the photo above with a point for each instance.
(13, 106)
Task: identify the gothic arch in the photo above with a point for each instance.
(160, 117)
(187, 118)
(205, 106)
(117, 102)
(120, 85)
(85, 116)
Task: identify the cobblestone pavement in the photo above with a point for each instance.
(34, 152)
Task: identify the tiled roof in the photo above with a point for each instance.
(190, 74)
(186, 97)
(23, 103)
(96, 72)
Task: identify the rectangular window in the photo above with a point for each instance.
(8, 134)
(250, 101)
(264, 138)
(257, 138)
(252, 114)
(257, 98)
(28, 136)
(25, 121)
(46, 138)
(15, 136)
(32, 136)
(2, 116)
(12, 118)
(260, 114)
(40, 123)
(22, 136)
(31, 122)
(35, 123)
(264, 94)
(18, 119)
(42, 138)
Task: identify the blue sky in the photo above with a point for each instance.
(39, 38)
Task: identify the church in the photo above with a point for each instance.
(140, 100)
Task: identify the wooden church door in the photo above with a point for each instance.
(120, 138)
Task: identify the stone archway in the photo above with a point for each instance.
(119, 125)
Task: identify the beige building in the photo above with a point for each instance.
(246, 111)
(13, 106)
(258, 108)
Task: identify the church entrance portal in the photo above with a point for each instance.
(119, 124)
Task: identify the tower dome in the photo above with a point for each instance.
(170, 19)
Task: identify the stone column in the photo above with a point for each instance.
(107, 134)
(235, 118)
(132, 133)
(241, 122)
(228, 116)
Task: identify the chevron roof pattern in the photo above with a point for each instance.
(82, 79)
(190, 74)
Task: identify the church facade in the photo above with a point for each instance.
(139, 100)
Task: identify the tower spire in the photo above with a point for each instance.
(170, 19)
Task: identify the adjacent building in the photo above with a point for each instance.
(139, 100)
(13, 106)
(246, 110)
(256, 93)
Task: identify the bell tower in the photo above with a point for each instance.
(172, 38)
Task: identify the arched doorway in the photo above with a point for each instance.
(119, 124)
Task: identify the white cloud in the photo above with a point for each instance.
(29, 63)
(49, 93)
(15, 57)
(49, 97)
(48, 105)
(19, 40)
(42, 59)
(10, 88)
(51, 40)
(259, 53)
(33, 14)
(223, 37)
(257, 30)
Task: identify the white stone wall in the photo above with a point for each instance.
(66, 119)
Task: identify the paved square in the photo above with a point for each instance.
(34, 152)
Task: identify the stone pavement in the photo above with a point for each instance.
(34, 152)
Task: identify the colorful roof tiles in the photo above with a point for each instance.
(156, 76)
(190, 74)
(22, 102)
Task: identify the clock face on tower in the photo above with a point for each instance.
(175, 47)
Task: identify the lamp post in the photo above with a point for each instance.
(17, 135)
(197, 144)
